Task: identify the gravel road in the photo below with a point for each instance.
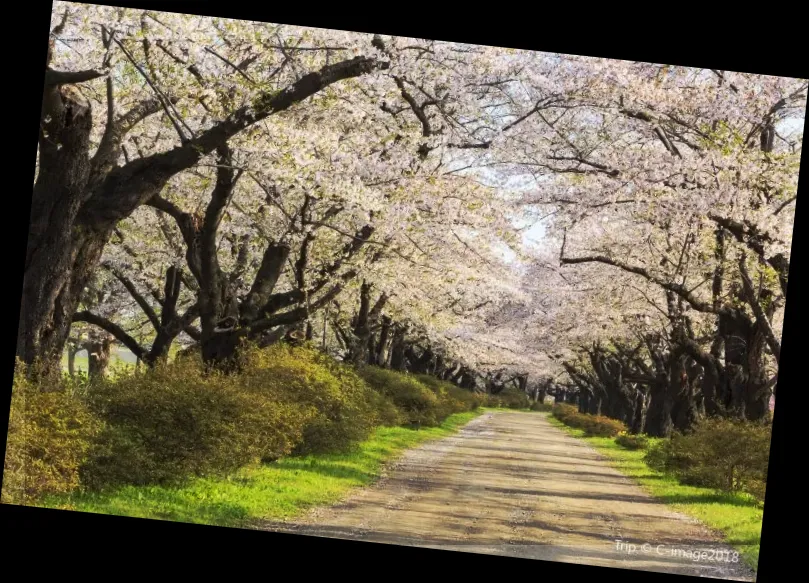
(510, 483)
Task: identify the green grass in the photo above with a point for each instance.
(283, 489)
(80, 363)
(736, 516)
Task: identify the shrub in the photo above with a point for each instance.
(602, 426)
(540, 406)
(346, 408)
(176, 421)
(726, 454)
(49, 436)
(597, 425)
(564, 411)
(509, 398)
(452, 398)
(418, 404)
(630, 441)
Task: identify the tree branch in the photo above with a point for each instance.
(53, 78)
(119, 333)
(676, 288)
(761, 317)
(128, 187)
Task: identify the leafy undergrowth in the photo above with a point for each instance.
(736, 515)
(282, 489)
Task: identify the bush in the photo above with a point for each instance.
(509, 398)
(596, 425)
(726, 454)
(452, 398)
(630, 441)
(602, 426)
(176, 421)
(540, 406)
(564, 411)
(49, 436)
(346, 408)
(418, 404)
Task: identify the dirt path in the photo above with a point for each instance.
(510, 483)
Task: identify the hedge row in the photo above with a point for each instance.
(176, 421)
(726, 454)
(422, 400)
(597, 425)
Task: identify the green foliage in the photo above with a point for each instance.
(596, 425)
(726, 454)
(345, 408)
(177, 420)
(422, 399)
(630, 441)
(418, 404)
(283, 489)
(540, 406)
(452, 398)
(509, 398)
(50, 433)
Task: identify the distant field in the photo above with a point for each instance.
(118, 356)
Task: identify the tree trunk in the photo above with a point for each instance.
(98, 357)
(382, 344)
(595, 405)
(584, 401)
(686, 413)
(59, 254)
(638, 424)
(397, 349)
(219, 349)
(72, 349)
(658, 416)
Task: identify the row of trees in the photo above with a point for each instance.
(205, 182)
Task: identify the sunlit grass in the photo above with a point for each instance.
(736, 516)
(282, 489)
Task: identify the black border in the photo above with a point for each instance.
(764, 44)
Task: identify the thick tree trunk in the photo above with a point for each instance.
(595, 405)
(638, 424)
(658, 417)
(747, 392)
(686, 412)
(584, 401)
(58, 250)
(467, 380)
(358, 351)
(98, 357)
(71, 359)
(382, 344)
(397, 349)
(219, 349)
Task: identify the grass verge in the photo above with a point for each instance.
(736, 516)
(283, 489)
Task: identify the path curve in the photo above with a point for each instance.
(510, 483)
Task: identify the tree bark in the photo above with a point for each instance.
(397, 349)
(71, 359)
(382, 343)
(638, 424)
(98, 357)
